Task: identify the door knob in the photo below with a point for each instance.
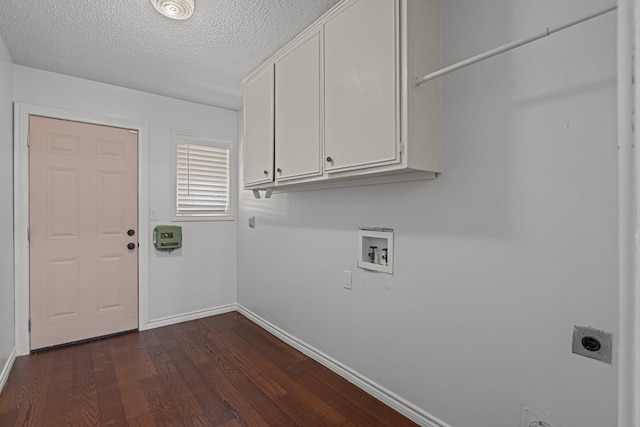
(131, 232)
(131, 246)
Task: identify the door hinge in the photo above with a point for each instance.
(29, 325)
(28, 233)
(28, 140)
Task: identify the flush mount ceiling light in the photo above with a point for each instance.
(174, 9)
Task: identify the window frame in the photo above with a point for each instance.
(198, 138)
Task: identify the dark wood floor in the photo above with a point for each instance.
(218, 371)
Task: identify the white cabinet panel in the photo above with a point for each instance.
(297, 137)
(259, 128)
(361, 86)
(346, 111)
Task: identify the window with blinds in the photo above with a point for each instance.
(202, 181)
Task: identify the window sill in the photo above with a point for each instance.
(202, 218)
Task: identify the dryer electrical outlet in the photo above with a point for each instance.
(592, 343)
(533, 418)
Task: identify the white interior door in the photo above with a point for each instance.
(83, 231)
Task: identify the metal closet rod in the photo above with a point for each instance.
(510, 46)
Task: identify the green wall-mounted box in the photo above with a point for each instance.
(167, 237)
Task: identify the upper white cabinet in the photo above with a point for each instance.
(298, 132)
(361, 86)
(258, 128)
(343, 107)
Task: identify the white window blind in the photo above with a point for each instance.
(202, 181)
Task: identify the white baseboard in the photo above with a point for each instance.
(4, 376)
(389, 398)
(185, 317)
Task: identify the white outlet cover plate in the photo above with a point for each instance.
(347, 280)
(533, 418)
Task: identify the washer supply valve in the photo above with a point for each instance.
(372, 254)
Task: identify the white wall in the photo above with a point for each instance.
(202, 275)
(7, 327)
(496, 259)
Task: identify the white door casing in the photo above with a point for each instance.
(628, 340)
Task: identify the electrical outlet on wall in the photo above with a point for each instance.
(592, 343)
(346, 279)
(533, 418)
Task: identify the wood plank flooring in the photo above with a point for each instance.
(219, 371)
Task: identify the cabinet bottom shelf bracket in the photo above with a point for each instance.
(267, 194)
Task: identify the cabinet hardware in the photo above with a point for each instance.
(329, 159)
(279, 170)
(266, 172)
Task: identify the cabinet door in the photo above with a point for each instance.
(258, 128)
(297, 137)
(362, 86)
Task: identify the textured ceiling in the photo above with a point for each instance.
(127, 43)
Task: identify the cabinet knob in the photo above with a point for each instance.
(266, 172)
(279, 170)
(329, 159)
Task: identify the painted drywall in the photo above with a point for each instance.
(7, 326)
(495, 260)
(202, 275)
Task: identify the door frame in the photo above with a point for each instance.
(628, 340)
(21, 114)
